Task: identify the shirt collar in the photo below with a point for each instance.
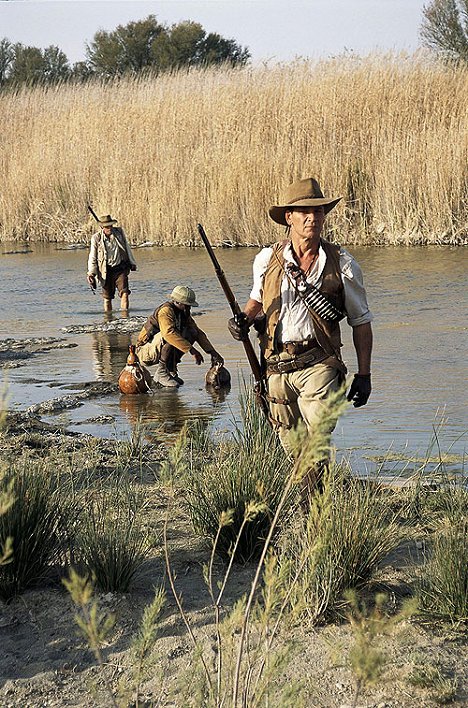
(319, 265)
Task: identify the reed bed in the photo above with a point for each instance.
(386, 132)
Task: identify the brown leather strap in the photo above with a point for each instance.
(303, 361)
(278, 424)
(297, 348)
(279, 401)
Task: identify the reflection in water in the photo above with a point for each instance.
(218, 395)
(165, 410)
(110, 351)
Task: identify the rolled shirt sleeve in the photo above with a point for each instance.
(356, 306)
(259, 267)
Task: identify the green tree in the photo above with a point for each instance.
(444, 28)
(216, 50)
(6, 60)
(28, 65)
(31, 65)
(104, 54)
(147, 44)
(81, 71)
(56, 66)
(179, 45)
(126, 49)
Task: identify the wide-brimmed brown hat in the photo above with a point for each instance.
(304, 192)
(107, 220)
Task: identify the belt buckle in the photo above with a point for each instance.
(282, 366)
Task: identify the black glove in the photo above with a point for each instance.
(216, 358)
(360, 390)
(239, 326)
(259, 324)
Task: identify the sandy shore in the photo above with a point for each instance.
(45, 663)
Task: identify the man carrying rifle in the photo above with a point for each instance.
(304, 285)
(110, 261)
(169, 333)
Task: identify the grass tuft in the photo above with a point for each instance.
(233, 497)
(339, 544)
(111, 541)
(444, 587)
(36, 523)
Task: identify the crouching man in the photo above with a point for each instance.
(169, 333)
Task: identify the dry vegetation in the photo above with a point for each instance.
(171, 624)
(386, 132)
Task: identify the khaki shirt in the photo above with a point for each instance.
(100, 251)
(165, 319)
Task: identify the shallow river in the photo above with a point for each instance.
(418, 297)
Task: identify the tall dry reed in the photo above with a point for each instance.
(388, 133)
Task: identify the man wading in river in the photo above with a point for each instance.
(110, 261)
(305, 285)
(169, 333)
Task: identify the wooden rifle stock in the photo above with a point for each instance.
(235, 309)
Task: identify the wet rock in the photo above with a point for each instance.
(72, 400)
(8, 687)
(101, 419)
(123, 324)
(72, 247)
(14, 350)
(10, 344)
(8, 356)
(31, 380)
(11, 364)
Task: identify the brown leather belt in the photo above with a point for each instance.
(311, 356)
(295, 348)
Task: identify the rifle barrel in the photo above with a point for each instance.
(91, 211)
(230, 297)
(247, 344)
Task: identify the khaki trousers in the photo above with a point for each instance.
(150, 352)
(300, 395)
(159, 350)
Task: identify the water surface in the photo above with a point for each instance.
(418, 297)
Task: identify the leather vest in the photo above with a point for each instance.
(328, 334)
(152, 324)
(102, 254)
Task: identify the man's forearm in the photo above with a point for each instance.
(252, 308)
(362, 339)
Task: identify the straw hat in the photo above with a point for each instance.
(184, 295)
(303, 193)
(107, 220)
